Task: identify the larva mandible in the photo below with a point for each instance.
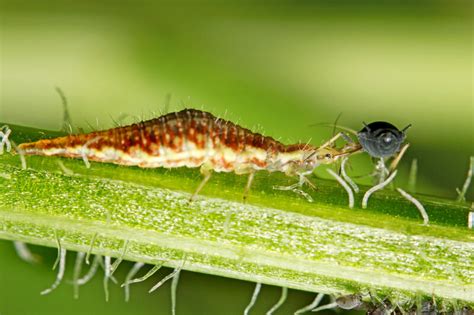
(193, 138)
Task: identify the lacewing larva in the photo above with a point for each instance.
(194, 138)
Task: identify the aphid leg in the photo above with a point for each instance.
(380, 186)
(206, 171)
(151, 272)
(279, 303)
(169, 276)
(313, 304)
(325, 307)
(25, 254)
(381, 170)
(77, 272)
(59, 277)
(247, 186)
(418, 204)
(255, 294)
(135, 269)
(467, 182)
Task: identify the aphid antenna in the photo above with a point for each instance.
(406, 128)
(254, 297)
(58, 243)
(312, 305)
(280, 302)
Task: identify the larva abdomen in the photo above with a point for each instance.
(186, 138)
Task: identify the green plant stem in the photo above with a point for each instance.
(276, 238)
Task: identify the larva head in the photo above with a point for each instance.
(381, 139)
(311, 159)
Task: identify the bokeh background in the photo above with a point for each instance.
(277, 68)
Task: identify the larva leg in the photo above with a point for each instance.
(247, 187)
(206, 171)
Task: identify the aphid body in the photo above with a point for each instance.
(381, 139)
(190, 138)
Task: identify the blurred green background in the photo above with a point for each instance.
(276, 68)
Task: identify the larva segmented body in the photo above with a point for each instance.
(191, 138)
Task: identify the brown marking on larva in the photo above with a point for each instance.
(175, 133)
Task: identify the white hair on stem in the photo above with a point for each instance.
(279, 303)
(377, 187)
(91, 272)
(91, 245)
(346, 177)
(119, 259)
(345, 185)
(77, 272)
(107, 265)
(418, 204)
(174, 289)
(311, 306)
(60, 275)
(467, 182)
(150, 273)
(169, 276)
(255, 294)
(135, 269)
(24, 253)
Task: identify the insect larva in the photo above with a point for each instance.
(192, 138)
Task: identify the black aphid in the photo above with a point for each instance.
(381, 139)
